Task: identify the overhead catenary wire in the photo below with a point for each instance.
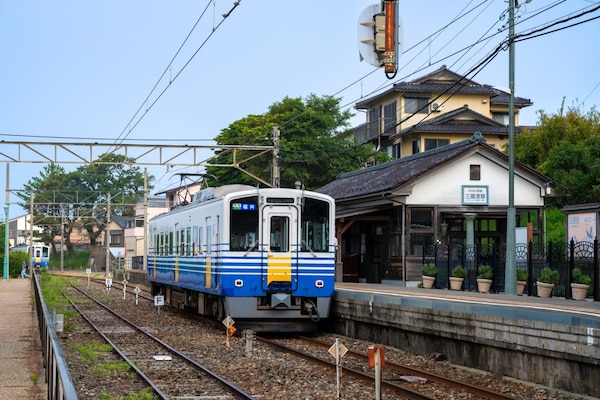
(500, 47)
(122, 136)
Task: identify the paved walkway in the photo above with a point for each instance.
(21, 361)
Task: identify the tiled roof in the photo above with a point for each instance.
(385, 177)
(503, 98)
(444, 81)
(455, 122)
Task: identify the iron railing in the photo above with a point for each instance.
(562, 257)
(58, 378)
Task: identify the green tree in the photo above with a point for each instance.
(566, 147)
(533, 147)
(61, 199)
(112, 174)
(316, 144)
(48, 204)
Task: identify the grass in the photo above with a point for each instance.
(90, 352)
(106, 369)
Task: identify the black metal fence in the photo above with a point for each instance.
(562, 257)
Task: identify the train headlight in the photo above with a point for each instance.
(319, 283)
(238, 283)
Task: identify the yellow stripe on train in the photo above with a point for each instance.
(279, 267)
(207, 277)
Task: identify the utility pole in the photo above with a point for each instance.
(510, 284)
(146, 231)
(6, 225)
(107, 239)
(275, 181)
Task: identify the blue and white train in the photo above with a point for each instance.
(40, 254)
(263, 256)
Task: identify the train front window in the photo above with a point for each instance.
(280, 234)
(315, 226)
(243, 224)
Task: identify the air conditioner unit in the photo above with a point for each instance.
(436, 107)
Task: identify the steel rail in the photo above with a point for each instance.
(411, 394)
(235, 390)
(473, 389)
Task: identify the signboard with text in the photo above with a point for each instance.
(475, 195)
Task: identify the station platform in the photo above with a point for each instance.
(22, 374)
(550, 341)
(552, 310)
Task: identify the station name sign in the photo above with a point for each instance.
(475, 195)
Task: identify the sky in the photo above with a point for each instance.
(80, 71)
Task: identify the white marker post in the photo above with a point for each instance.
(125, 288)
(137, 294)
(338, 350)
(88, 272)
(377, 361)
(108, 284)
(228, 322)
(159, 301)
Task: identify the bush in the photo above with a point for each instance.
(522, 274)
(548, 276)
(459, 272)
(430, 270)
(485, 272)
(579, 277)
(15, 262)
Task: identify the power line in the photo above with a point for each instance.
(174, 78)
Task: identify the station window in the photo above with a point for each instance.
(475, 172)
(421, 218)
(421, 226)
(418, 242)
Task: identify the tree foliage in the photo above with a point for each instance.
(62, 200)
(566, 148)
(316, 144)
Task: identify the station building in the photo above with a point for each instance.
(448, 184)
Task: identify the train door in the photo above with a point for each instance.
(209, 249)
(280, 238)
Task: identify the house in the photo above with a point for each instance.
(437, 109)
(386, 215)
(135, 232)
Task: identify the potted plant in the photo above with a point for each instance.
(522, 276)
(484, 278)
(458, 276)
(580, 284)
(430, 271)
(545, 282)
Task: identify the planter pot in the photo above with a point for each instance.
(579, 291)
(456, 283)
(483, 285)
(544, 289)
(521, 287)
(428, 281)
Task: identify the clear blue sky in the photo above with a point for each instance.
(77, 71)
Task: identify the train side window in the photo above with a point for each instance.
(315, 226)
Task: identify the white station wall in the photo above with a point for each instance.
(444, 186)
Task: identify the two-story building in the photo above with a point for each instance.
(437, 109)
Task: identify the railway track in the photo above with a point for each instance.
(270, 373)
(406, 381)
(169, 372)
